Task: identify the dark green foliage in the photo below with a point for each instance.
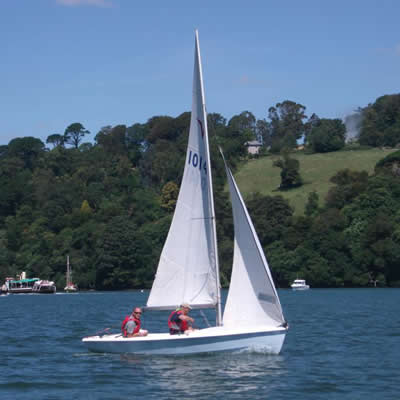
(27, 149)
(55, 139)
(113, 140)
(326, 135)
(270, 216)
(381, 122)
(286, 126)
(74, 134)
(290, 174)
(108, 205)
(312, 204)
(349, 184)
(390, 164)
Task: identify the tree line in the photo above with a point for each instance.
(109, 204)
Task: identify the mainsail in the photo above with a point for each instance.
(188, 268)
(252, 299)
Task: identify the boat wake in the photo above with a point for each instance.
(257, 349)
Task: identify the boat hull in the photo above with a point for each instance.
(20, 290)
(203, 341)
(70, 289)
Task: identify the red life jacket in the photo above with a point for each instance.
(130, 318)
(180, 326)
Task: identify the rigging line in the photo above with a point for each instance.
(205, 318)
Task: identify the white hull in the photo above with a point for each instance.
(299, 284)
(301, 287)
(70, 289)
(267, 340)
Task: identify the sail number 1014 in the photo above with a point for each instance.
(197, 161)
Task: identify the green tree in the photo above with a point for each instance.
(311, 207)
(380, 124)
(113, 140)
(327, 135)
(286, 126)
(349, 184)
(28, 149)
(169, 195)
(56, 140)
(74, 134)
(290, 174)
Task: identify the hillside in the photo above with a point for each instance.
(259, 175)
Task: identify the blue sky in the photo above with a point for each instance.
(108, 62)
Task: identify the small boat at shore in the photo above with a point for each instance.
(44, 287)
(21, 285)
(24, 285)
(70, 287)
(299, 284)
(3, 290)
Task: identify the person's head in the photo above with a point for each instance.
(137, 312)
(185, 307)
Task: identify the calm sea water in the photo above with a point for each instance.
(342, 344)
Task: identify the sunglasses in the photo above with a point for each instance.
(137, 312)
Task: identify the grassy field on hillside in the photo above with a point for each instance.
(258, 175)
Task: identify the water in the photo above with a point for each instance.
(342, 344)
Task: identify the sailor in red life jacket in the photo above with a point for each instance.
(179, 320)
(131, 324)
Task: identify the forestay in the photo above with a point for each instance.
(187, 271)
(252, 298)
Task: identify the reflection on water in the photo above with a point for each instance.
(207, 374)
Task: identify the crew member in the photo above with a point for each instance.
(179, 320)
(131, 324)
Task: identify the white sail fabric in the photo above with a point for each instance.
(252, 298)
(186, 271)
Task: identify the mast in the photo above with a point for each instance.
(218, 306)
(68, 273)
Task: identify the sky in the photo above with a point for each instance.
(110, 62)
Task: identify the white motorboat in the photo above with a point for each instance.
(299, 284)
(188, 270)
(44, 287)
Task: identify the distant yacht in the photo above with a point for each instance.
(70, 286)
(299, 284)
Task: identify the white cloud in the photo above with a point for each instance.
(96, 3)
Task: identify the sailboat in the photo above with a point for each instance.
(70, 287)
(188, 270)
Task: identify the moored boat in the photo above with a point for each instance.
(70, 287)
(299, 284)
(22, 285)
(44, 287)
(3, 290)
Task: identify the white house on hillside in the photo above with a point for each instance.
(253, 147)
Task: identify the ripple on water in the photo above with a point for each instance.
(341, 345)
